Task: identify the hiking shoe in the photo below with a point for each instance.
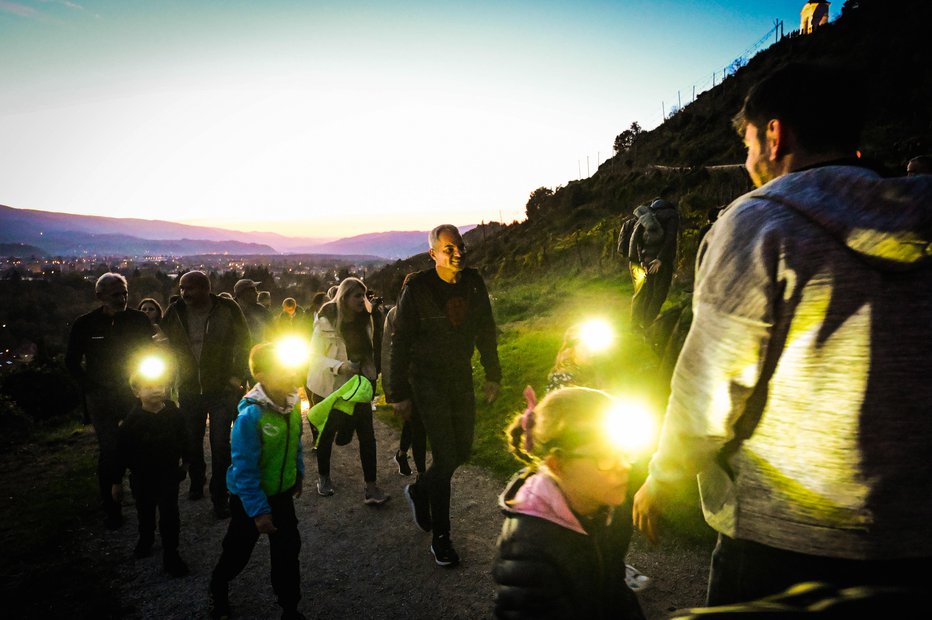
(375, 496)
(444, 553)
(635, 579)
(401, 460)
(174, 565)
(420, 507)
(324, 486)
(218, 601)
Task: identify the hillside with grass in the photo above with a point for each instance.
(559, 266)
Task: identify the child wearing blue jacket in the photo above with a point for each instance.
(266, 473)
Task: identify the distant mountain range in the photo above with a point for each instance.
(64, 234)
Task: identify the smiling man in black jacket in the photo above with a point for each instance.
(443, 315)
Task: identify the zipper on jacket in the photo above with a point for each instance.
(281, 476)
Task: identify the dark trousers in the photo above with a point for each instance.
(650, 291)
(221, 410)
(284, 547)
(448, 411)
(743, 570)
(414, 436)
(160, 494)
(339, 423)
(106, 410)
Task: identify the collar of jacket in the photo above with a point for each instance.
(537, 494)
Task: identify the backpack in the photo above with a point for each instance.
(624, 238)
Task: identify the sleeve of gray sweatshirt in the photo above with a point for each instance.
(738, 289)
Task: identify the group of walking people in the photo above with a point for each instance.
(800, 401)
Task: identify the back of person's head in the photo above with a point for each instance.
(264, 298)
(263, 358)
(821, 105)
(564, 420)
(332, 292)
(318, 300)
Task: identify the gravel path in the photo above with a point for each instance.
(359, 561)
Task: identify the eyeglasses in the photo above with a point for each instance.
(604, 461)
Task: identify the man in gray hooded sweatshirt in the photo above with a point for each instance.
(802, 398)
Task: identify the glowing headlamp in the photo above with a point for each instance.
(152, 367)
(596, 335)
(292, 352)
(630, 427)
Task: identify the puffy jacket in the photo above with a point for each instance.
(225, 352)
(550, 566)
(266, 453)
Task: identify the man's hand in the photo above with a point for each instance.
(116, 492)
(654, 266)
(492, 390)
(646, 511)
(264, 524)
(298, 487)
(403, 409)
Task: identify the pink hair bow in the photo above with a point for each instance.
(527, 419)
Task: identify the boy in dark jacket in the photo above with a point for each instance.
(152, 443)
(266, 473)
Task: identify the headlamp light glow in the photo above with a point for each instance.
(596, 335)
(630, 427)
(292, 351)
(152, 367)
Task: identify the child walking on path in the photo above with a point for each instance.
(561, 553)
(266, 473)
(152, 443)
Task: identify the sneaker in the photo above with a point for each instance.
(401, 460)
(420, 507)
(444, 553)
(375, 496)
(324, 486)
(218, 601)
(635, 579)
(174, 565)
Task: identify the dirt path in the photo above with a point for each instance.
(359, 561)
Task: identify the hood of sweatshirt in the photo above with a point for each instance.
(258, 396)
(536, 493)
(886, 222)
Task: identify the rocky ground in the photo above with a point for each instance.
(359, 561)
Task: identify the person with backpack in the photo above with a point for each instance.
(648, 242)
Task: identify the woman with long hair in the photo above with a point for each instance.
(343, 345)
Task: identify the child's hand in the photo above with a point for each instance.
(116, 492)
(264, 524)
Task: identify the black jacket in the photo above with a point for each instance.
(153, 445)
(427, 344)
(225, 352)
(545, 570)
(106, 346)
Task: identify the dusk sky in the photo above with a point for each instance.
(330, 119)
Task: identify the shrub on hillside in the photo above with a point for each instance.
(41, 392)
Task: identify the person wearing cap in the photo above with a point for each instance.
(654, 258)
(246, 295)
